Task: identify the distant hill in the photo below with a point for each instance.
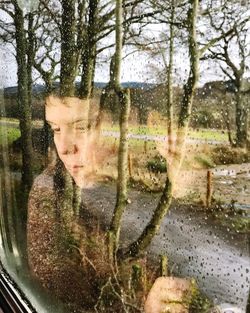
(134, 85)
(223, 86)
(38, 88)
(207, 89)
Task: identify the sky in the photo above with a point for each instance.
(135, 67)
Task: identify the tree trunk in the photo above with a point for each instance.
(68, 55)
(163, 206)
(89, 55)
(189, 88)
(121, 195)
(124, 103)
(152, 227)
(170, 81)
(81, 32)
(30, 55)
(25, 116)
(105, 94)
(64, 184)
(226, 116)
(241, 120)
(118, 46)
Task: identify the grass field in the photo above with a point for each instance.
(204, 134)
(8, 135)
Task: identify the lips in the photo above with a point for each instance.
(74, 168)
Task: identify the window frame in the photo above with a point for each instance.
(11, 298)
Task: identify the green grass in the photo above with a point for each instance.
(133, 143)
(145, 145)
(10, 119)
(204, 160)
(9, 134)
(37, 123)
(208, 134)
(204, 134)
(238, 224)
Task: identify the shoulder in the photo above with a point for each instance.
(44, 180)
(42, 193)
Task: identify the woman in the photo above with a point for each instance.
(58, 223)
(67, 251)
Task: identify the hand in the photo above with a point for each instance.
(164, 294)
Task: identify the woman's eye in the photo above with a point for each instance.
(81, 128)
(56, 130)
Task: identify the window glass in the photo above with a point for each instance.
(125, 154)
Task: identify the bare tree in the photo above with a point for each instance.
(233, 15)
(47, 37)
(68, 55)
(22, 43)
(124, 103)
(123, 95)
(154, 224)
(89, 52)
(195, 53)
(169, 91)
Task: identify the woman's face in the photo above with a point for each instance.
(68, 118)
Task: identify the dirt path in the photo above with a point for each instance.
(195, 245)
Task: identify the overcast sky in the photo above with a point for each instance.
(136, 67)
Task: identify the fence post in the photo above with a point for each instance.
(130, 165)
(209, 189)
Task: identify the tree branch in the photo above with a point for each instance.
(214, 40)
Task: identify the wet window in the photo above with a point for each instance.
(125, 154)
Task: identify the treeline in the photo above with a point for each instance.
(213, 104)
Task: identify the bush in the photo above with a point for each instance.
(204, 161)
(157, 164)
(229, 155)
(206, 119)
(200, 303)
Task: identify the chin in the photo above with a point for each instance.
(83, 182)
(80, 181)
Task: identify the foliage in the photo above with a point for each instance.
(115, 287)
(157, 164)
(205, 119)
(236, 223)
(233, 218)
(199, 303)
(241, 224)
(228, 155)
(204, 160)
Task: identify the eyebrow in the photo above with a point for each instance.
(72, 122)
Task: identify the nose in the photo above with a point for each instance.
(65, 144)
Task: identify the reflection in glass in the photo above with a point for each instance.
(107, 186)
